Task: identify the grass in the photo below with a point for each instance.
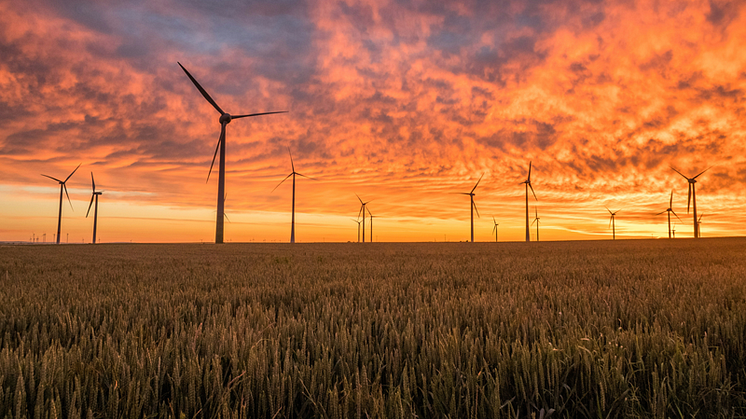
(649, 328)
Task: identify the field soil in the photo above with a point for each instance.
(603, 329)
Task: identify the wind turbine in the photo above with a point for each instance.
(225, 119)
(612, 222)
(94, 195)
(536, 220)
(674, 230)
(293, 173)
(362, 211)
(473, 205)
(358, 228)
(63, 187)
(494, 229)
(692, 199)
(371, 225)
(669, 211)
(528, 186)
(699, 221)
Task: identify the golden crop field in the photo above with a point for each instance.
(644, 328)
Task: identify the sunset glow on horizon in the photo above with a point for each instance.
(405, 103)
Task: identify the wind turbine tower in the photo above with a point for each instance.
(528, 186)
(494, 229)
(225, 119)
(94, 195)
(63, 187)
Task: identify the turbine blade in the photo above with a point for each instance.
(702, 172)
(670, 202)
(226, 217)
(257, 114)
(93, 183)
(475, 208)
(201, 90)
(674, 213)
(528, 179)
(68, 196)
(682, 175)
(307, 177)
(361, 201)
(607, 209)
(291, 159)
(221, 139)
(71, 174)
(278, 185)
(493, 220)
(610, 220)
(661, 212)
(53, 178)
(361, 211)
(494, 228)
(475, 186)
(532, 191)
(689, 199)
(89, 206)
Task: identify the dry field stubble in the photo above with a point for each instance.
(585, 329)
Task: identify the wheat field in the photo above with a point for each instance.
(644, 328)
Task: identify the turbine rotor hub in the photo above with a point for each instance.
(225, 118)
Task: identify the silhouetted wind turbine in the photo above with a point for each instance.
(63, 187)
(473, 205)
(692, 199)
(536, 220)
(371, 225)
(94, 195)
(362, 211)
(528, 186)
(494, 229)
(669, 211)
(358, 228)
(612, 222)
(225, 119)
(293, 173)
(699, 222)
(674, 230)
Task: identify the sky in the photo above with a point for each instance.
(404, 103)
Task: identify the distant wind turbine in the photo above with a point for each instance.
(692, 199)
(612, 222)
(358, 228)
(494, 229)
(674, 230)
(94, 195)
(362, 211)
(528, 186)
(63, 187)
(699, 223)
(669, 211)
(293, 173)
(371, 225)
(536, 220)
(225, 119)
(473, 205)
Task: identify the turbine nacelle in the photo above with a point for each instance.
(225, 118)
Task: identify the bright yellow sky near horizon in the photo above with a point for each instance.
(406, 104)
